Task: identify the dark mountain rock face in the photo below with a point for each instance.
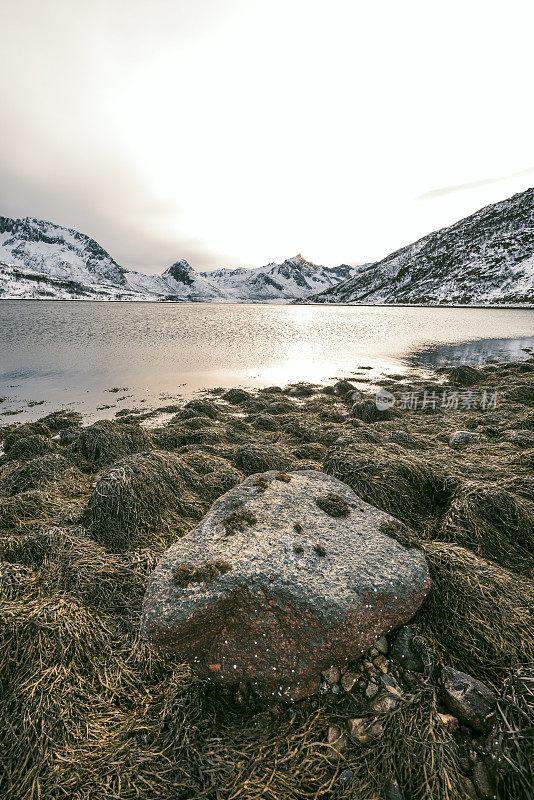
(287, 574)
(486, 258)
(181, 272)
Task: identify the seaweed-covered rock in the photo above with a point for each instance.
(30, 447)
(23, 431)
(153, 494)
(301, 390)
(405, 650)
(106, 441)
(467, 698)
(464, 375)
(36, 473)
(203, 406)
(400, 483)
(524, 393)
(265, 422)
(237, 396)
(274, 586)
(342, 388)
(368, 411)
(524, 439)
(251, 458)
(61, 420)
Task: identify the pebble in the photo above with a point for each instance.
(382, 664)
(349, 680)
(364, 730)
(382, 645)
(332, 675)
(383, 704)
(449, 722)
(371, 690)
(483, 781)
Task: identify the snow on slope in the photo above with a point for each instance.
(487, 258)
(25, 284)
(294, 278)
(64, 255)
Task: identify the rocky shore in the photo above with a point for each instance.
(339, 605)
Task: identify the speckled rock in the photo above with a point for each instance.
(460, 439)
(273, 589)
(468, 698)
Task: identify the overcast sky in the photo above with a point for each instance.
(238, 132)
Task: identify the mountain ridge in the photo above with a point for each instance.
(31, 247)
(486, 258)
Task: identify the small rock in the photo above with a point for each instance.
(371, 690)
(382, 664)
(392, 685)
(382, 645)
(364, 730)
(373, 653)
(371, 670)
(449, 722)
(345, 775)
(469, 788)
(393, 791)
(333, 734)
(332, 675)
(349, 680)
(337, 739)
(404, 653)
(484, 783)
(460, 439)
(384, 704)
(467, 698)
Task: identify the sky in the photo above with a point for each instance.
(240, 132)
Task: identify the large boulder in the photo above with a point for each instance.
(287, 574)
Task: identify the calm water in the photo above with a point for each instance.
(70, 353)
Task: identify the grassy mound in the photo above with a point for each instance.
(478, 616)
(392, 479)
(106, 442)
(50, 506)
(494, 523)
(38, 473)
(251, 458)
(23, 431)
(28, 447)
(155, 496)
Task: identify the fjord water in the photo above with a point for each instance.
(72, 353)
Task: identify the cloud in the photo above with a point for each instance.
(462, 187)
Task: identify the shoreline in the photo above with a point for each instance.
(290, 302)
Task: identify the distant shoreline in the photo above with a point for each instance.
(272, 303)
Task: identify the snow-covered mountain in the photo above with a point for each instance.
(294, 278)
(40, 259)
(487, 258)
